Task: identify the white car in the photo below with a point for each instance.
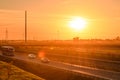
(45, 60)
(31, 56)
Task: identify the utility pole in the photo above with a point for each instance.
(25, 26)
(6, 35)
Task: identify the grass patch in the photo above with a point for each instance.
(10, 72)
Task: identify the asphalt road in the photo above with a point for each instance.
(90, 62)
(110, 75)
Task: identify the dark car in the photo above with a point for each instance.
(7, 50)
(45, 60)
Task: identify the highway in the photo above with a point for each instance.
(83, 58)
(109, 75)
(90, 62)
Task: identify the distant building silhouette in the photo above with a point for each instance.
(76, 38)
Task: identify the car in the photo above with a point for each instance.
(31, 56)
(45, 60)
(7, 50)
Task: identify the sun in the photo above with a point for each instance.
(77, 23)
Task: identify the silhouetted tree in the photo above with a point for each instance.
(117, 38)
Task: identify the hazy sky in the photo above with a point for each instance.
(48, 19)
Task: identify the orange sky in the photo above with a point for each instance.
(48, 19)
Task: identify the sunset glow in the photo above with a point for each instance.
(60, 39)
(60, 19)
(77, 23)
